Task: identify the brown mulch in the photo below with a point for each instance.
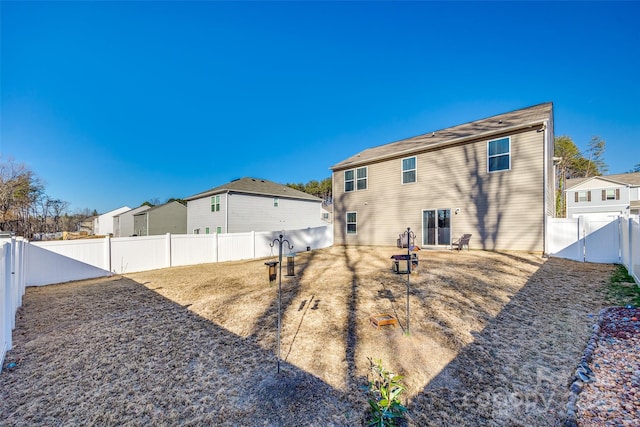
(493, 340)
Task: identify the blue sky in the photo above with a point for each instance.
(115, 103)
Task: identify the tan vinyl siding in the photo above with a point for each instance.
(503, 210)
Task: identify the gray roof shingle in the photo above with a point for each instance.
(501, 123)
(257, 186)
(631, 178)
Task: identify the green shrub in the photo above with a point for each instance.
(384, 392)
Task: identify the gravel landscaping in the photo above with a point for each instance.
(494, 339)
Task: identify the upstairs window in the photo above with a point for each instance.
(361, 181)
(611, 194)
(215, 203)
(582, 196)
(352, 222)
(275, 202)
(499, 154)
(355, 179)
(409, 170)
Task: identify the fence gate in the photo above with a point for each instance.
(602, 240)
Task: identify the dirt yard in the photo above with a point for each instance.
(494, 339)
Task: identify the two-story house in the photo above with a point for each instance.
(123, 223)
(610, 195)
(103, 224)
(170, 217)
(252, 204)
(492, 178)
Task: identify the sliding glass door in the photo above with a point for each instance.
(436, 227)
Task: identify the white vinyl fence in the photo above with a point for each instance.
(65, 260)
(41, 263)
(12, 283)
(596, 239)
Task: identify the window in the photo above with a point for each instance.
(215, 203)
(361, 182)
(352, 223)
(408, 170)
(275, 202)
(499, 154)
(348, 181)
(355, 179)
(582, 196)
(206, 230)
(611, 194)
(218, 230)
(196, 231)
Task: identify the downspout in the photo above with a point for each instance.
(545, 180)
(226, 212)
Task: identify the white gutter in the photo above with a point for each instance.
(438, 145)
(545, 196)
(226, 212)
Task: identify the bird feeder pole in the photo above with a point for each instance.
(280, 242)
(410, 236)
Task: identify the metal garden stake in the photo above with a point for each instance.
(280, 242)
(410, 237)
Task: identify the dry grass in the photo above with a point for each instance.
(494, 340)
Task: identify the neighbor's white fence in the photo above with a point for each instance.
(12, 283)
(600, 240)
(64, 260)
(41, 263)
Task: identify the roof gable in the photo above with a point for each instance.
(631, 179)
(259, 187)
(162, 206)
(502, 123)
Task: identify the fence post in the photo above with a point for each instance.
(253, 244)
(167, 249)
(630, 266)
(107, 253)
(582, 238)
(14, 283)
(9, 313)
(215, 247)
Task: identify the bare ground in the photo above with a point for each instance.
(494, 339)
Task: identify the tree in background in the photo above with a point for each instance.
(595, 164)
(636, 168)
(571, 163)
(321, 189)
(26, 209)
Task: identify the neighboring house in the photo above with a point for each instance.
(611, 195)
(123, 223)
(251, 204)
(103, 224)
(492, 178)
(168, 218)
(327, 212)
(86, 226)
